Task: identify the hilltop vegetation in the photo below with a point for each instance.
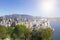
(20, 32)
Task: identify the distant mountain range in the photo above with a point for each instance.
(28, 17)
(18, 15)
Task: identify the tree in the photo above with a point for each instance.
(9, 31)
(45, 34)
(20, 32)
(34, 34)
(42, 34)
(27, 34)
(3, 32)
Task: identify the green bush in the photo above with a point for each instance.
(3, 32)
(46, 34)
(21, 32)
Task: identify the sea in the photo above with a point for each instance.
(56, 26)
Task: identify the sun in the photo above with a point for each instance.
(47, 7)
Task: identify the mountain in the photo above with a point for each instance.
(18, 15)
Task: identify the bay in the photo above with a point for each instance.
(56, 26)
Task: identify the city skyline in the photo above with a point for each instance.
(47, 8)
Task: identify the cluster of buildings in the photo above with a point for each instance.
(7, 22)
(30, 23)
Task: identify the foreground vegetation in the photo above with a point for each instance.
(20, 32)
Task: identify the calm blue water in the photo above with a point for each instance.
(56, 26)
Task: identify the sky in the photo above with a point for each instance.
(43, 8)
